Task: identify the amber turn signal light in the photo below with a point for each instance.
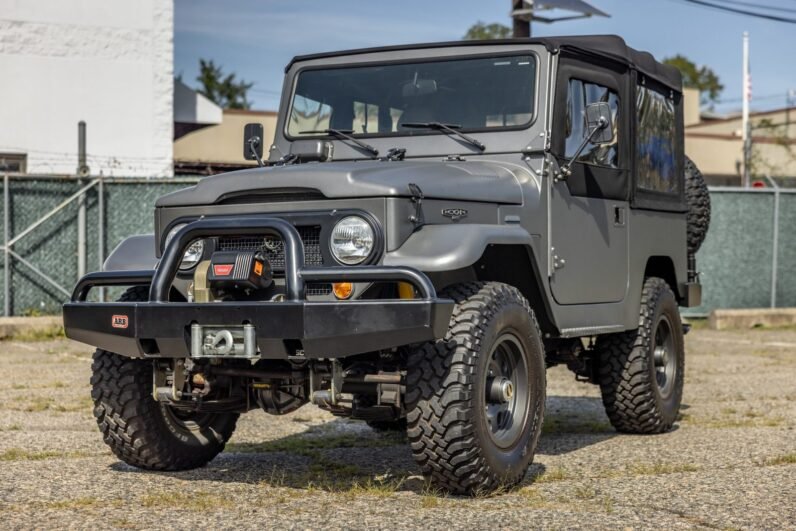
(342, 290)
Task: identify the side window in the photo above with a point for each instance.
(655, 143)
(579, 94)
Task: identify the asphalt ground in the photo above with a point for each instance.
(730, 462)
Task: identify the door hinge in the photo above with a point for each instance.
(558, 261)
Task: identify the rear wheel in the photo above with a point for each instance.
(642, 371)
(476, 398)
(143, 432)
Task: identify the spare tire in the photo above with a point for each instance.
(698, 198)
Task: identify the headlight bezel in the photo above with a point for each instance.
(195, 250)
(374, 240)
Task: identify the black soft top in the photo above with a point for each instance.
(609, 46)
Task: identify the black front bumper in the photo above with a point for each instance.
(294, 327)
(316, 329)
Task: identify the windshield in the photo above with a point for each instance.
(377, 100)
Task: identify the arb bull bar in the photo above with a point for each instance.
(292, 327)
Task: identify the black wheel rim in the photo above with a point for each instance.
(189, 421)
(506, 391)
(664, 356)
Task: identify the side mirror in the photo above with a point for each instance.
(253, 143)
(599, 123)
(600, 127)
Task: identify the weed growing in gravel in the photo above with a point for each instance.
(380, 488)
(585, 492)
(41, 403)
(551, 475)
(533, 498)
(40, 334)
(18, 454)
(659, 468)
(12, 427)
(429, 502)
(787, 459)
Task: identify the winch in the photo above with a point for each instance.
(239, 270)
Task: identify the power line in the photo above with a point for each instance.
(767, 7)
(737, 11)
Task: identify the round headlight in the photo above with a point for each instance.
(352, 240)
(194, 252)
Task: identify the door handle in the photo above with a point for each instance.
(620, 216)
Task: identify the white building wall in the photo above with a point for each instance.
(107, 62)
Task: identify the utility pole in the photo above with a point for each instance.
(747, 131)
(522, 27)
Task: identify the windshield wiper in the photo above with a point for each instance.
(451, 129)
(346, 134)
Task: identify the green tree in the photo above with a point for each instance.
(481, 31)
(699, 77)
(222, 89)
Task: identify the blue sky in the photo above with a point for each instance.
(256, 38)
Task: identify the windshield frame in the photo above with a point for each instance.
(408, 132)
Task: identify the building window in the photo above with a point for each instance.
(13, 162)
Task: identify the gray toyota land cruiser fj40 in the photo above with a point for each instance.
(434, 226)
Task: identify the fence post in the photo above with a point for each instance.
(82, 171)
(6, 250)
(775, 243)
(101, 230)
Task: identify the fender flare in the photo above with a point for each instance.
(436, 248)
(133, 253)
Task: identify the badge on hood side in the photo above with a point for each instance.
(454, 213)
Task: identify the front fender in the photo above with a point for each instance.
(437, 248)
(134, 253)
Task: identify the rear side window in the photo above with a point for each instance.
(580, 94)
(656, 162)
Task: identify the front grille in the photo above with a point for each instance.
(274, 250)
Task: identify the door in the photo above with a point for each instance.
(589, 209)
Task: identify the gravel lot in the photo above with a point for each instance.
(731, 462)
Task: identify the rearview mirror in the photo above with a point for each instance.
(599, 123)
(253, 142)
(419, 87)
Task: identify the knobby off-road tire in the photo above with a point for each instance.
(465, 436)
(641, 371)
(141, 431)
(698, 199)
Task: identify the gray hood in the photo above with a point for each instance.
(491, 182)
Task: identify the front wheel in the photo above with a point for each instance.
(476, 399)
(143, 432)
(641, 371)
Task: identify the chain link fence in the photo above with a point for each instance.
(747, 260)
(52, 227)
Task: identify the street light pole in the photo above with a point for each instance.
(522, 28)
